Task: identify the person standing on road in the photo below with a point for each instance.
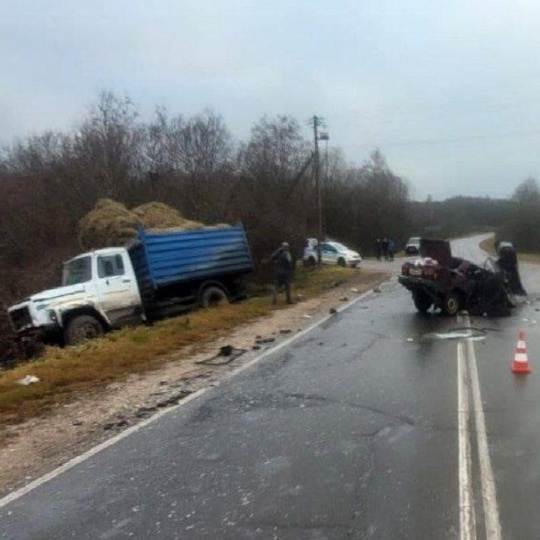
(391, 249)
(283, 265)
(385, 248)
(378, 249)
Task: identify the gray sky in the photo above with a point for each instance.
(448, 90)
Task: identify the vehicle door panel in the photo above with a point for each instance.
(117, 290)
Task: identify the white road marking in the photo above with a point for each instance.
(467, 518)
(468, 381)
(489, 490)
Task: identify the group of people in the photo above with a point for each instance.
(385, 248)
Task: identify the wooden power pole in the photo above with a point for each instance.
(316, 171)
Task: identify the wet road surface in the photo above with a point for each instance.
(372, 425)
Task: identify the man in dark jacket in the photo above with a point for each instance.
(283, 266)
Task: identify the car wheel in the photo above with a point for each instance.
(422, 301)
(81, 328)
(213, 296)
(341, 262)
(451, 304)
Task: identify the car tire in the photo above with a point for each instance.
(451, 305)
(422, 301)
(213, 297)
(341, 262)
(82, 328)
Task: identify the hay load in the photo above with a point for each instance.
(157, 216)
(110, 223)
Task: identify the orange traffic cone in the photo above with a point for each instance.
(521, 359)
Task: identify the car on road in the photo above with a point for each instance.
(451, 284)
(412, 247)
(331, 253)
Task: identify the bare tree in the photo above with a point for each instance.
(109, 148)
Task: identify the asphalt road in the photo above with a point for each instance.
(379, 423)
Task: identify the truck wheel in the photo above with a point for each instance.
(341, 262)
(81, 328)
(422, 301)
(213, 296)
(451, 304)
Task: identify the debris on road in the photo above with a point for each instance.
(120, 423)
(29, 379)
(262, 341)
(228, 352)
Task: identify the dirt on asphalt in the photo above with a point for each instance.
(31, 449)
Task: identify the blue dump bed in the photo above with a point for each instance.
(169, 258)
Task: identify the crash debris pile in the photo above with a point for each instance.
(110, 223)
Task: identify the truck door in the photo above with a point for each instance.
(117, 289)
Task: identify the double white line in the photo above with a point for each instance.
(469, 387)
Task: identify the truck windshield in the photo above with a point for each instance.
(77, 271)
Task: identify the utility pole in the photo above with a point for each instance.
(316, 168)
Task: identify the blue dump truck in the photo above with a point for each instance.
(157, 275)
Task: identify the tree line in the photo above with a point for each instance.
(49, 181)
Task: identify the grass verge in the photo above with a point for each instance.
(65, 373)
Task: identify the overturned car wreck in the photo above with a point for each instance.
(438, 280)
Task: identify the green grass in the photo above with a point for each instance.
(65, 373)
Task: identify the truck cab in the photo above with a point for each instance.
(99, 291)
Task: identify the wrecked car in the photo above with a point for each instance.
(440, 281)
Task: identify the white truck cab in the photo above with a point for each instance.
(99, 290)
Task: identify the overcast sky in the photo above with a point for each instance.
(449, 90)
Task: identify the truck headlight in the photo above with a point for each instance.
(52, 316)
